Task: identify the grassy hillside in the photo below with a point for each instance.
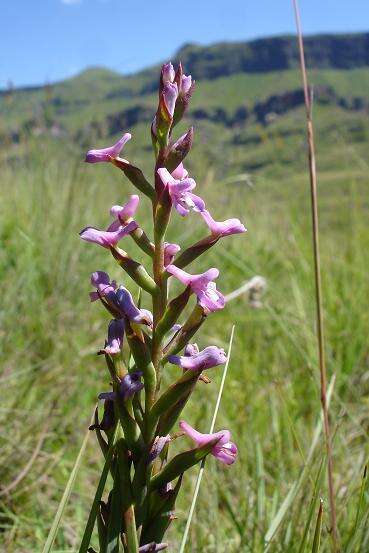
(49, 332)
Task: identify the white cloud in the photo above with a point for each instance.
(71, 2)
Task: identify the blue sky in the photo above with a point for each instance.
(48, 40)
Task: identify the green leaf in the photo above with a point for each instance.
(65, 497)
(96, 502)
(286, 504)
(115, 516)
(180, 463)
(318, 530)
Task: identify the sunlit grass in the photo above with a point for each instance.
(50, 332)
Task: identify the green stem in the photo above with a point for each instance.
(126, 492)
(136, 271)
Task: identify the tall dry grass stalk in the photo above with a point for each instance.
(317, 274)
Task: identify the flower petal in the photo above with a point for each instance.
(105, 154)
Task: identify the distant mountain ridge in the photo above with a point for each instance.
(278, 53)
(241, 86)
(325, 51)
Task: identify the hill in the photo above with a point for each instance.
(247, 91)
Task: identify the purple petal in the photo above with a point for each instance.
(126, 304)
(211, 356)
(107, 238)
(106, 154)
(108, 396)
(126, 211)
(170, 95)
(170, 250)
(211, 299)
(225, 453)
(131, 384)
(223, 228)
(196, 202)
(115, 337)
(182, 275)
(101, 281)
(186, 83)
(179, 172)
(167, 73)
(191, 349)
(165, 176)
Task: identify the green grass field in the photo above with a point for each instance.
(50, 333)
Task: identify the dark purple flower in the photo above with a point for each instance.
(203, 286)
(125, 303)
(223, 228)
(123, 214)
(224, 450)
(114, 342)
(170, 250)
(180, 192)
(107, 238)
(129, 385)
(101, 281)
(199, 360)
(107, 154)
(152, 547)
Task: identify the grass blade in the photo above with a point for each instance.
(202, 467)
(318, 530)
(318, 483)
(96, 502)
(65, 497)
(351, 541)
(317, 278)
(283, 510)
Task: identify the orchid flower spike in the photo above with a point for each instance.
(101, 281)
(107, 154)
(180, 192)
(123, 214)
(107, 238)
(224, 450)
(114, 342)
(170, 250)
(126, 305)
(199, 360)
(223, 228)
(129, 385)
(203, 286)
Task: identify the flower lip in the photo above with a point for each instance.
(114, 342)
(193, 360)
(107, 238)
(222, 228)
(223, 449)
(203, 286)
(107, 154)
(180, 191)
